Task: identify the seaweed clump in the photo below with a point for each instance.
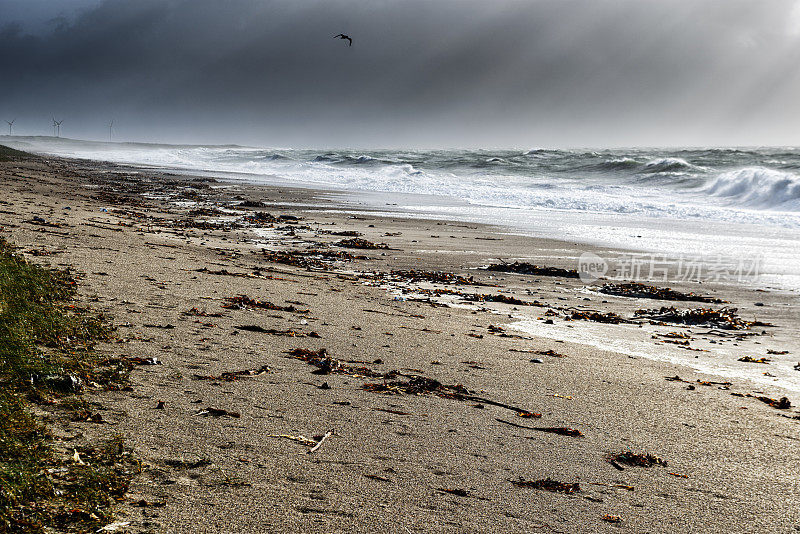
(724, 318)
(549, 484)
(642, 291)
(528, 268)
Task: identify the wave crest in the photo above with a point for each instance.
(668, 165)
(758, 187)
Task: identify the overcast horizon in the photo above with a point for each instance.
(460, 74)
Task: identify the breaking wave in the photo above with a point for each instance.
(758, 187)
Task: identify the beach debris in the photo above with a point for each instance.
(598, 317)
(750, 359)
(725, 318)
(676, 378)
(528, 268)
(635, 459)
(797, 366)
(252, 204)
(144, 503)
(262, 217)
(560, 430)
(433, 277)
(217, 412)
(274, 332)
(315, 443)
(676, 335)
(242, 302)
(456, 492)
(299, 439)
(116, 526)
(503, 299)
(226, 272)
(342, 233)
(679, 475)
(88, 417)
(501, 332)
(378, 477)
(611, 518)
(326, 364)
(161, 405)
(322, 438)
(619, 486)
(777, 352)
(131, 361)
(642, 291)
(181, 463)
(548, 352)
(61, 383)
(529, 415)
(782, 404)
(421, 385)
(230, 376)
(362, 244)
(415, 385)
(194, 312)
(309, 259)
(548, 484)
(76, 458)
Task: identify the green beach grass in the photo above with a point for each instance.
(9, 154)
(47, 357)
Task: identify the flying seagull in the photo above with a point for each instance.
(343, 36)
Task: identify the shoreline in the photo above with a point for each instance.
(685, 229)
(144, 265)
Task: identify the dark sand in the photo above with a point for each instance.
(732, 461)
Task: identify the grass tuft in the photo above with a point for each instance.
(46, 354)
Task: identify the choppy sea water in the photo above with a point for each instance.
(742, 204)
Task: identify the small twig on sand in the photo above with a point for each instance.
(328, 434)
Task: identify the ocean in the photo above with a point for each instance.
(730, 205)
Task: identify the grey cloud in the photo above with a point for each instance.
(444, 73)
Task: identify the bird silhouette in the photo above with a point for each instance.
(343, 37)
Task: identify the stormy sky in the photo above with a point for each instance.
(420, 73)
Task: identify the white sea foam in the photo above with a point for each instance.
(603, 197)
(758, 187)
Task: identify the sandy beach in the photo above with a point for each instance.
(228, 421)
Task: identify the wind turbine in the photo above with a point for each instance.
(10, 124)
(57, 127)
(111, 131)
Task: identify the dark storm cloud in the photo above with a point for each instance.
(451, 73)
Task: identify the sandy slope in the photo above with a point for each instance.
(391, 456)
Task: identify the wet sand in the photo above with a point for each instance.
(436, 461)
